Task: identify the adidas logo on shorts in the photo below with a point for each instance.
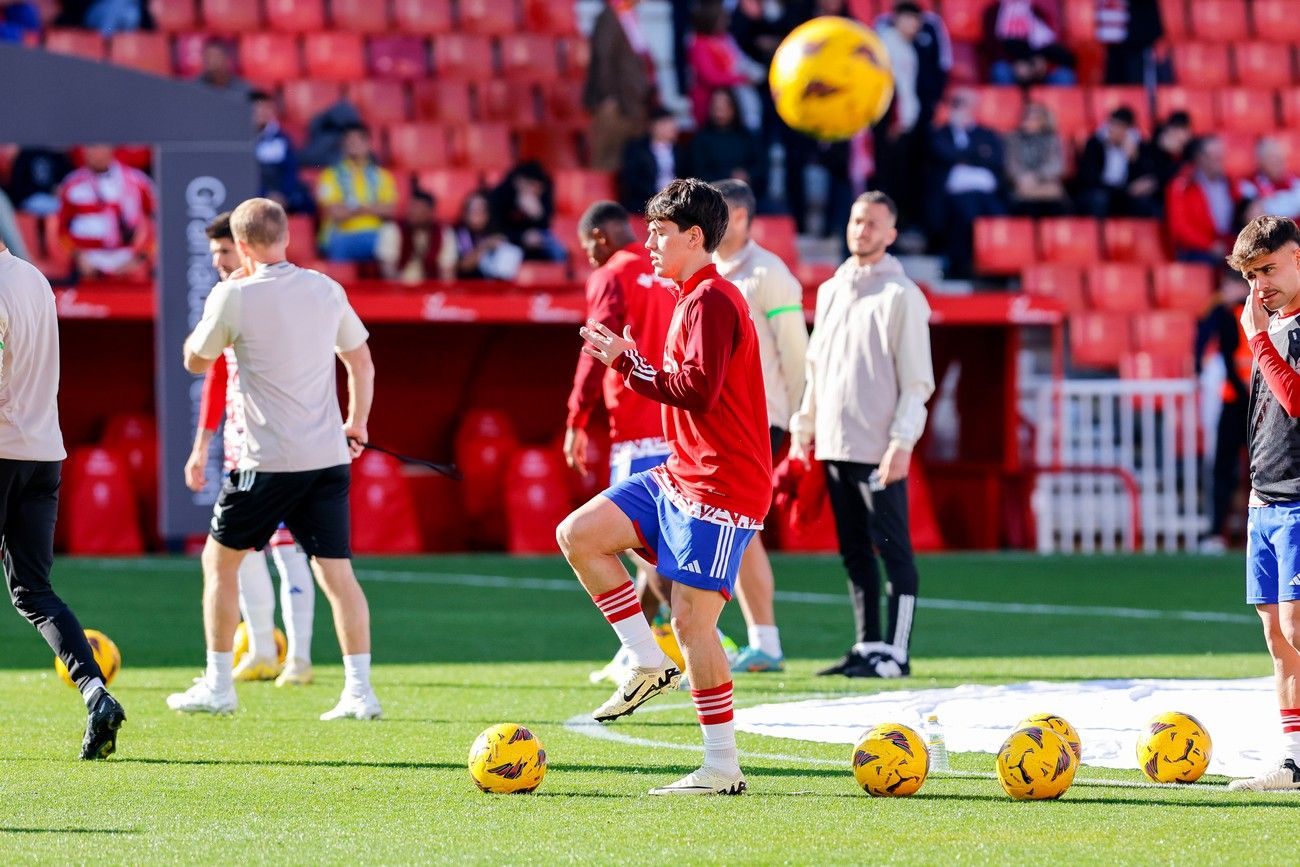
(694, 566)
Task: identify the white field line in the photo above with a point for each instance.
(564, 585)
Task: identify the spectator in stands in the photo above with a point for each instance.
(481, 252)
(276, 158)
(1201, 206)
(1036, 165)
(1129, 29)
(417, 248)
(717, 63)
(355, 196)
(1273, 189)
(651, 162)
(522, 208)
(35, 177)
(325, 132)
(723, 148)
(1021, 45)
(969, 159)
(106, 217)
(1116, 177)
(1168, 148)
(899, 147)
(1221, 327)
(620, 89)
(17, 20)
(218, 67)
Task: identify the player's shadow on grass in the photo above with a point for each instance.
(294, 763)
(1218, 803)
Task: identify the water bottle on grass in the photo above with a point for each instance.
(934, 741)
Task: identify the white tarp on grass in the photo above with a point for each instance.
(1241, 716)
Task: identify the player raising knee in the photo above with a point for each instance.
(256, 597)
(1267, 253)
(694, 516)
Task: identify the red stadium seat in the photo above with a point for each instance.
(1119, 287)
(1173, 15)
(999, 108)
(485, 442)
(1069, 107)
(78, 43)
(308, 97)
(537, 500)
(1072, 240)
(296, 16)
(529, 57)
(1289, 106)
(1197, 102)
(134, 437)
(450, 188)
(1133, 240)
(1079, 21)
(562, 103)
(1098, 339)
(459, 55)
(575, 189)
(1202, 64)
(554, 147)
(174, 16)
(501, 101)
(533, 274)
(188, 52)
(440, 509)
(334, 55)
(1263, 64)
(418, 146)
(488, 17)
(147, 52)
(547, 16)
(1107, 99)
(1247, 109)
(1276, 20)
(232, 16)
(98, 508)
(1004, 245)
(965, 19)
(1219, 20)
(965, 64)
(399, 57)
(381, 101)
(482, 146)
(1164, 332)
(576, 53)
(383, 511)
(360, 16)
(1151, 365)
(1061, 283)
(777, 233)
(444, 101)
(269, 57)
(302, 238)
(1183, 286)
(1239, 153)
(423, 16)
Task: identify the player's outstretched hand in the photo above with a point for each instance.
(196, 476)
(575, 450)
(604, 345)
(357, 436)
(1254, 316)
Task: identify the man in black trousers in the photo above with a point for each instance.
(31, 453)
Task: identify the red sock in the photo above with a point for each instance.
(619, 603)
(1291, 732)
(713, 706)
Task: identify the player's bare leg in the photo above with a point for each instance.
(695, 620)
(755, 587)
(1282, 635)
(214, 692)
(592, 537)
(352, 625)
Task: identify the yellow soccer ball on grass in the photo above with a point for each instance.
(830, 78)
(1036, 764)
(890, 761)
(1174, 748)
(106, 653)
(507, 759)
(1058, 724)
(241, 644)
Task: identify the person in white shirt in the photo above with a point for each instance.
(869, 375)
(775, 300)
(31, 456)
(286, 325)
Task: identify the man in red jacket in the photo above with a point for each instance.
(1201, 206)
(694, 515)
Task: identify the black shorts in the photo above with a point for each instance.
(313, 504)
(778, 436)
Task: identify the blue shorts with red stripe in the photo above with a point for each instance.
(684, 549)
(1273, 554)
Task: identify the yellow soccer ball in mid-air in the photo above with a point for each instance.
(1058, 724)
(888, 765)
(241, 644)
(507, 759)
(1174, 748)
(830, 78)
(1036, 764)
(106, 653)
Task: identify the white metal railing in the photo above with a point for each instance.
(1117, 466)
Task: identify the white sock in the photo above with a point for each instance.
(767, 639)
(713, 706)
(297, 597)
(218, 673)
(90, 692)
(623, 611)
(356, 674)
(1291, 733)
(257, 602)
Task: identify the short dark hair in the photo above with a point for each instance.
(219, 228)
(600, 214)
(876, 197)
(1262, 235)
(688, 202)
(259, 96)
(907, 7)
(1179, 118)
(356, 127)
(1124, 115)
(422, 196)
(738, 194)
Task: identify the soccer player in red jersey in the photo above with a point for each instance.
(693, 516)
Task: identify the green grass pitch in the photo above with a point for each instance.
(464, 642)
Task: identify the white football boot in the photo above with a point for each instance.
(614, 669)
(352, 706)
(639, 686)
(1285, 779)
(297, 672)
(705, 781)
(203, 698)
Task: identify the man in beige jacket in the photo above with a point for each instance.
(776, 305)
(869, 376)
